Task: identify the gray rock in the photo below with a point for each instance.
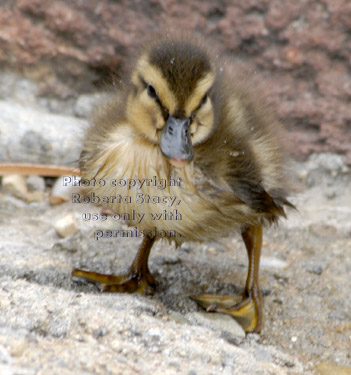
(28, 135)
(35, 183)
(328, 162)
(86, 104)
(18, 88)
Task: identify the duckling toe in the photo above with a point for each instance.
(247, 310)
(208, 301)
(140, 282)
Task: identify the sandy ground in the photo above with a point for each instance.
(50, 323)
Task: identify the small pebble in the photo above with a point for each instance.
(330, 194)
(66, 226)
(61, 193)
(35, 196)
(15, 185)
(168, 260)
(212, 251)
(323, 230)
(186, 247)
(317, 270)
(54, 200)
(271, 262)
(303, 175)
(215, 247)
(35, 183)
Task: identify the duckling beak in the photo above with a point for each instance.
(176, 142)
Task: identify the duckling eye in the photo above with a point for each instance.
(204, 100)
(151, 92)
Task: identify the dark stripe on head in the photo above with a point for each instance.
(182, 64)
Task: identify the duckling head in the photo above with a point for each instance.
(170, 102)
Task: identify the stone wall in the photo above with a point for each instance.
(301, 48)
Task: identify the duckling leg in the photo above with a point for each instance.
(248, 311)
(138, 279)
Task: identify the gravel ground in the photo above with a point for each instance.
(50, 323)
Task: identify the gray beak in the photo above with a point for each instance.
(175, 139)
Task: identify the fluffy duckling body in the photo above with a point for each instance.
(183, 118)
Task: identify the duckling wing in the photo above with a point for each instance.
(258, 199)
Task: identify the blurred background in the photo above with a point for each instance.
(55, 55)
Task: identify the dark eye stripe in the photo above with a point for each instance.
(153, 94)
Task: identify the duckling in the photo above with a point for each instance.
(182, 116)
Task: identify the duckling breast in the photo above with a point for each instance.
(141, 187)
